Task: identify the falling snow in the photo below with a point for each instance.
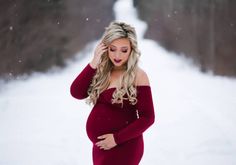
(40, 123)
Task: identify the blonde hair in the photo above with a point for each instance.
(100, 82)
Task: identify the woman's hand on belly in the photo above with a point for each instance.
(107, 143)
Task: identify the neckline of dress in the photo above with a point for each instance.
(139, 86)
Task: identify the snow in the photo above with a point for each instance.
(40, 123)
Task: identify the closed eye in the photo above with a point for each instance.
(124, 50)
(112, 49)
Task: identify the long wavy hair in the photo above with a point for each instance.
(126, 89)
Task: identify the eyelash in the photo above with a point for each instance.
(123, 51)
(112, 50)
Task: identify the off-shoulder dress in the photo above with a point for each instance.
(127, 122)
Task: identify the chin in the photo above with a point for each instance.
(118, 65)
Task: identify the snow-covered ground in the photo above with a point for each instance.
(41, 124)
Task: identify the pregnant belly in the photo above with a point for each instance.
(105, 119)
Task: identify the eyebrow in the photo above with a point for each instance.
(121, 47)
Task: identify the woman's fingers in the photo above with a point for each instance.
(107, 143)
(102, 145)
(100, 49)
(102, 137)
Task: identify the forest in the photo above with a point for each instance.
(37, 35)
(205, 31)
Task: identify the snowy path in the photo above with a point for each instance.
(41, 124)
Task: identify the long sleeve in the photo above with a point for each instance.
(146, 117)
(80, 85)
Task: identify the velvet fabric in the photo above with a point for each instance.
(127, 122)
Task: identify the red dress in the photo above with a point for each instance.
(127, 123)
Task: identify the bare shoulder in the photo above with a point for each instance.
(141, 77)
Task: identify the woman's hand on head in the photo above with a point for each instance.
(107, 142)
(99, 50)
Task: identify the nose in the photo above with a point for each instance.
(117, 55)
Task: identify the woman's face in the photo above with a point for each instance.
(119, 51)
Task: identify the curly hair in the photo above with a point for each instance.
(126, 89)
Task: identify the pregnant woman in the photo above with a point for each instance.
(120, 93)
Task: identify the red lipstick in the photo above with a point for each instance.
(117, 61)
